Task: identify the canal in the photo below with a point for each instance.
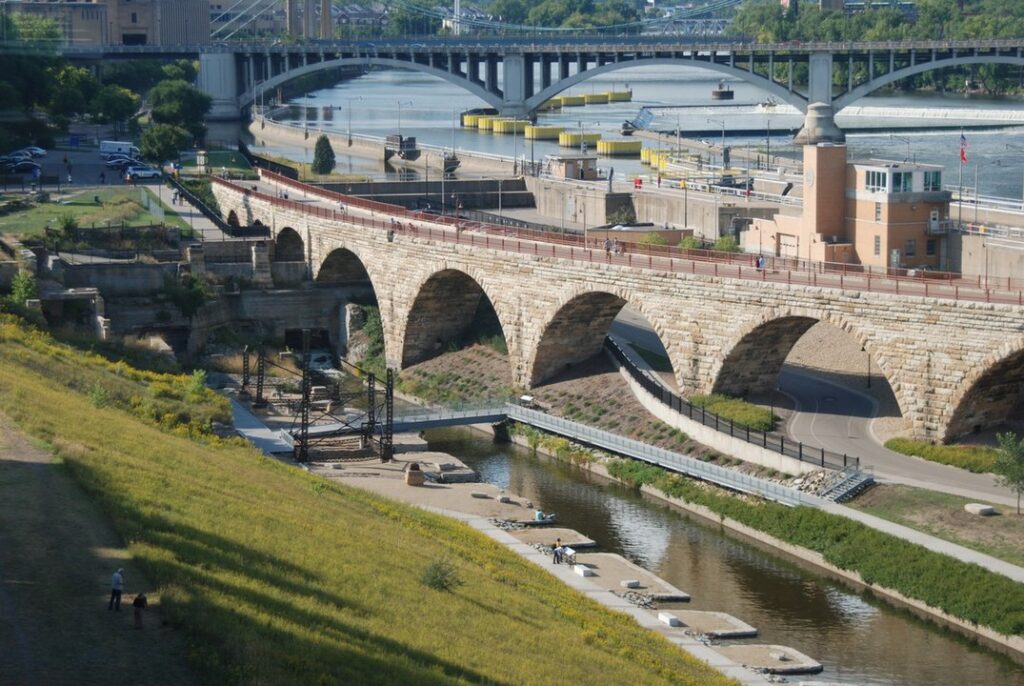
(858, 638)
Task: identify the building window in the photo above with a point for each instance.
(875, 181)
(878, 245)
(911, 247)
(932, 181)
(878, 211)
(902, 182)
(135, 18)
(929, 246)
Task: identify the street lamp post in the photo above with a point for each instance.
(400, 103)
(902, 139)
(357, 97)
(720, 122)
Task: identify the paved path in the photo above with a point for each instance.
(837, 418)
(256, 432)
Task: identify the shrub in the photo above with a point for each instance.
(440, 575)
(973, 458)
(727, 244)
(739, 412)
(690, 243)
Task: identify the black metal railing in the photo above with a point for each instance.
(766, 439)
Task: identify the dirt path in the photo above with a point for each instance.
(57, 553)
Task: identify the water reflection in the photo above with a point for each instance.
(858, 639)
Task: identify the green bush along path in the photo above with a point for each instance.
(278, 577)
(973, 458)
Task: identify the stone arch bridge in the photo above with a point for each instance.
(953, 365)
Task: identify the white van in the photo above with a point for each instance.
(111, 148)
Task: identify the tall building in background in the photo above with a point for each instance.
(124, 22)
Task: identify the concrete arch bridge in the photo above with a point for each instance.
(954, 365)
(517, 75)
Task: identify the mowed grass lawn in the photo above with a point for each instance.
(117, 205)
(943, 515)
(277, 577)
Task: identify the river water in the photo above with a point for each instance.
(858, 639)
(416, 104)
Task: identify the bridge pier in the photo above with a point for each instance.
(819, 123)
(515, 86)
(218, 78)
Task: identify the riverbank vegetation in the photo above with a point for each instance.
(255, 571)
(974, 458)
(962, 590)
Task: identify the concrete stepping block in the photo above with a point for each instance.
(980, 509)
(774, 659)
(630, 583)
(669, 619)
(716, 624)
(583, 570)
(480, 494)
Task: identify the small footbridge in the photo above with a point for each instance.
(496, 412)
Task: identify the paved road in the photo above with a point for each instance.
(839, 419)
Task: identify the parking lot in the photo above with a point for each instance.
(84, 166)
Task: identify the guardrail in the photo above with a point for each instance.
(774, 442)
(676, 462)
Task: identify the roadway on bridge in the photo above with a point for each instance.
(839, 419)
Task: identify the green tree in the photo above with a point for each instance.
(323, 156)
(402, 21)
(1010, 464)
(181, 70)
(137, 75)
(510, 11)
(73, 90)
(23, 287)
(162, 142)
(34, 28)
(179, 103)
(114, 105)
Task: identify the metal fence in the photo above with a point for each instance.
(774, 442)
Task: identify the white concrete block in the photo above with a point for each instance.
(980, 509)
(583, 570)
(669, 619)
(630, 583)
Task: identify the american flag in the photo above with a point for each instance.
(963, 148)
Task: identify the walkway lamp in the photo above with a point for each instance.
(356, 97)
(902, 139)
(400, 103)
(720, 122)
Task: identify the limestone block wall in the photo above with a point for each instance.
(719, 332)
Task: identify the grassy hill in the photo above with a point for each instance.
(278, 577)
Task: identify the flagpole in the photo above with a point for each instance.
(960, 193)
(976, 193)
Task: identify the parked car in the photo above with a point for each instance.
(17, 156)
(121, 163)
(143, 172)
(34, 151)
(23, 167)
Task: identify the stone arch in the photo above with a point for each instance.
(578, 327)
(289, 246)
(776, 89)
(492, 99)
(752, 360)
(342, 266)
(445, 305)
(990, 395)
(883, 80)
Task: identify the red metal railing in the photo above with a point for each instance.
(943, 285)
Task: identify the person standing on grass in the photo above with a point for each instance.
(116, 585)
(139, 604)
